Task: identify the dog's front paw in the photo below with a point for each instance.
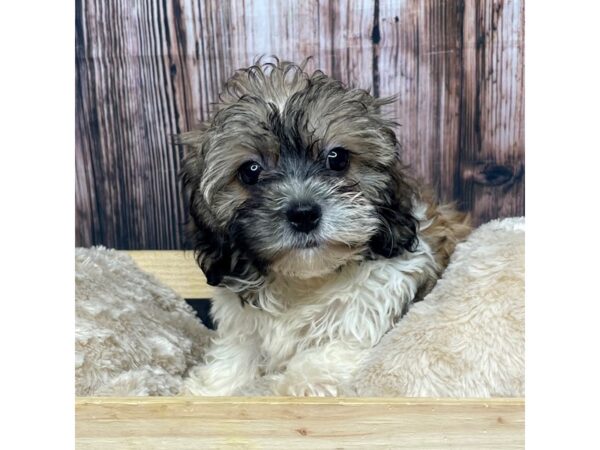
(306, 389)
(203, 382)
(262, 387)
(192, 386)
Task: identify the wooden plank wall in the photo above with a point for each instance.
(148, 69)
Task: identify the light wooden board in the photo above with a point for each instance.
(175, 268)
(292, 423)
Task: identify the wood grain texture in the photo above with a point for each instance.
(146, 70)
(298, 423)
(492, 140)
(126, 114)
(177, 269)
(457, 68)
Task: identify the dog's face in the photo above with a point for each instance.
(295, 175)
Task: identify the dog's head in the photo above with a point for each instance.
(295, 175)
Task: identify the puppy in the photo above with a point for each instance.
(304, 219)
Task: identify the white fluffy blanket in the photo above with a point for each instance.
(135, 336)
(467, 337)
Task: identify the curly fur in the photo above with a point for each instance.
(336, 290)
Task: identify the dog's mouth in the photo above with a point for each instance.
(309, 242)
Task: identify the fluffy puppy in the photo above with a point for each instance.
(304, 220)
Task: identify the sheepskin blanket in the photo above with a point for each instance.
(135, 336)
(467, 337)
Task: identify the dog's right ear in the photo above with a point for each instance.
(211, 251)
(223, 261)
(211, 247)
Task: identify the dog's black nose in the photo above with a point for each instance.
(304, 217)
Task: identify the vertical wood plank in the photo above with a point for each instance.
(421, 64)
(345, 30)
(492, 141)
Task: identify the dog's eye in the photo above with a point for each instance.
(337, 159)
(249, 172)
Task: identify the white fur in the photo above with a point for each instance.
(308, 335)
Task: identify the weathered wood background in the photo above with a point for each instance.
(148, 69)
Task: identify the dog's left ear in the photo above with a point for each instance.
(398, 227)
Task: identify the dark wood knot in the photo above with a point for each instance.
(491, 174)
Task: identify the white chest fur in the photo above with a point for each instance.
(356, 305)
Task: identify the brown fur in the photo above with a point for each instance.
(448, 227)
